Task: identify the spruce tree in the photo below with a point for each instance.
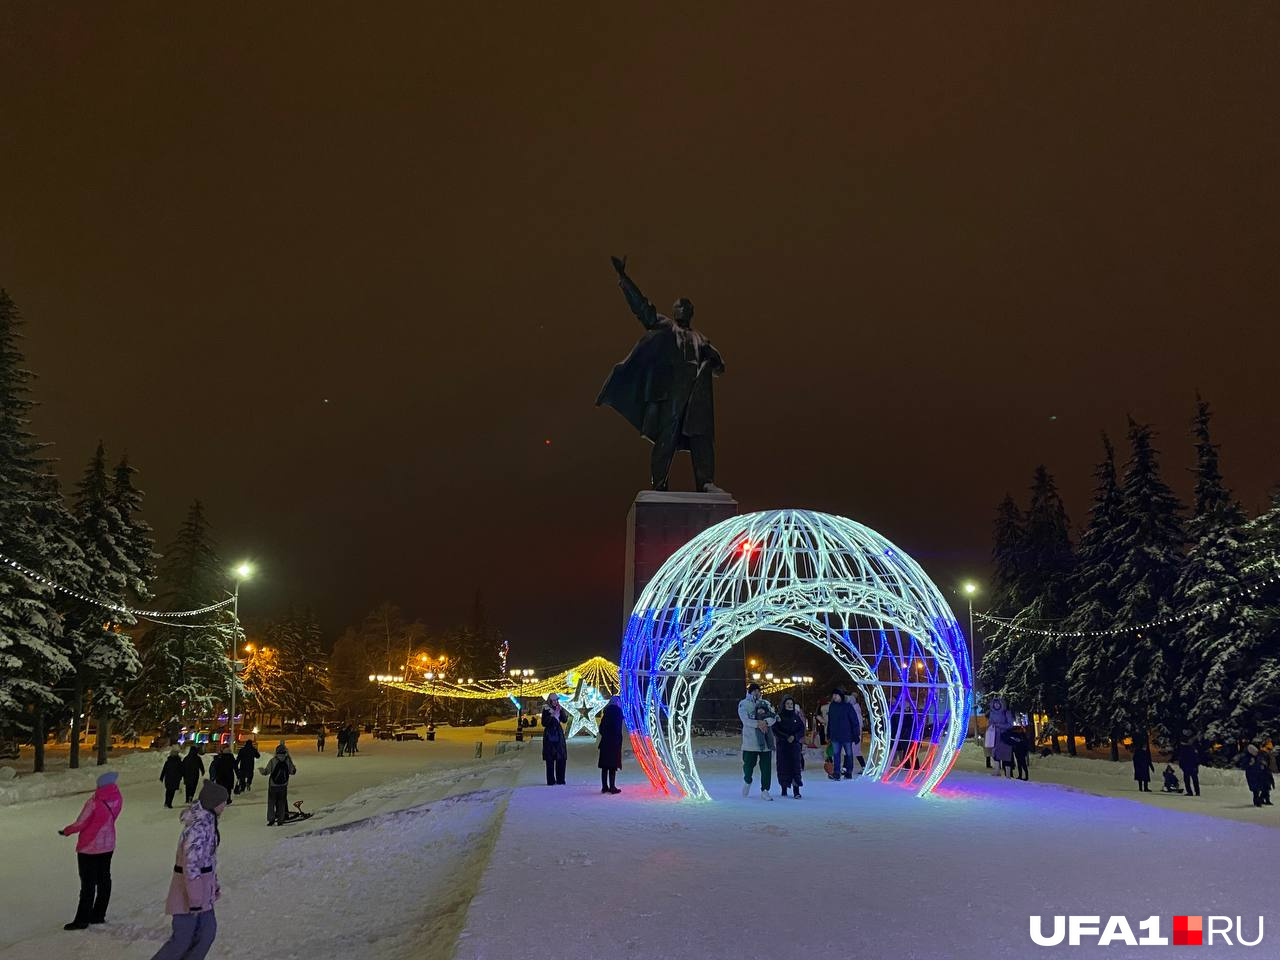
(1148, 539)
(32, 656)
(1198, 648)
(1091, 676)
(1000, 648)
(186, 671)
(102, 653)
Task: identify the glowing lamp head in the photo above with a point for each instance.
(970, 588)
(244, 571)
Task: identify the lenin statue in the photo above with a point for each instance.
(663, 388)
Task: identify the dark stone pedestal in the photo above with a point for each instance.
(659, 524)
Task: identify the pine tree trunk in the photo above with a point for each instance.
(77, 707)
(104, 736)
(37, 741)
(1031, 727)
(1115, 746)
(1071, 731)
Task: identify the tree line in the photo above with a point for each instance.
(1211, 671)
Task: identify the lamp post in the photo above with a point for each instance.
(242, 572)
(520, 677)
(970, 588)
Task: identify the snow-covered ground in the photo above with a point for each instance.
(400, 835)
(419, 850)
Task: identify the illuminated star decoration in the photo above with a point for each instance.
(583, 705)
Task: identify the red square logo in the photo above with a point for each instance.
(1188, 931)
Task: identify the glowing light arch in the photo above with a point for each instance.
(826, 580)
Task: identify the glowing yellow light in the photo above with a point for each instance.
(971, 588)
(244, 571)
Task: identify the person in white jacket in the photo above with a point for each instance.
(755, 741)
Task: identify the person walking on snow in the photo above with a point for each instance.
(555, 752)
(857, 741)
(192, 769)
(246, 760)
(171, 776)
(842, 730)
(193, 885)
(1257, 774)
(1000, 719)
(1020, 744)
(612, 726)
(1189, 761)
(320, 740)
(278, 771)
(97, 841)
(757, 747)
(1143, 767)
(788, 730)
(222, 769)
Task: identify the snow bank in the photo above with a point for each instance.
(62, 783)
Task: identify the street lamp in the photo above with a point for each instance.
(521, 677)
(242, 572)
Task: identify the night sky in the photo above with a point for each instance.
(341, 271)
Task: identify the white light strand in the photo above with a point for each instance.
(1251, 590)
(107, 604)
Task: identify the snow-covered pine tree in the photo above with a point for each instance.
(1038, 670)
(1091, 677)
(1148, 539)
(1000, 646)
(303, 685)
(103, 655)
(1197, 651)
(138, 544)
(1247, 670)
(186, 670)
(32, 657)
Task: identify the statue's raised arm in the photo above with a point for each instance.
(645, 311)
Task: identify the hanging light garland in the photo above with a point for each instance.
(1247, 591)
(596, 674)
(107, 604)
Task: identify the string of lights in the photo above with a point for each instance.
(107, 604)
(1246, 591)
(596, 673)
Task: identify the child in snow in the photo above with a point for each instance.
(193, 885)
(1171, 784)
(1257, 774)
(97, 841)
(764, 735)
(1143, 767)
(1018, 740)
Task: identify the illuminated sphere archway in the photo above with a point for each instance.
(826, 580)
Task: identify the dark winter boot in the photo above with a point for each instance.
(795, 792)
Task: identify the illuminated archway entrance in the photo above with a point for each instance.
(827, 580)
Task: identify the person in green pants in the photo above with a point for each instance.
(757, 741)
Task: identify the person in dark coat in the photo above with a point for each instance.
(788, 733)
(842, 731)
(278, 771)
(663, 388)
(320, 740)
(171, 776)
(612, 726)
(342, 740)
(1143, 767)
(245, 762)
(1189, 761)
(192, 770)
(555, 751)
(1020, 744)
(222, 769)
(1257, 774)
(1171, 784)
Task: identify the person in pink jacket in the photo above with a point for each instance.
(96, 826)
(193, 887)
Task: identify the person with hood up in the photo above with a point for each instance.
(757, 741)
(842, 730)
(97, 841)
(1142, 766)
(278, 771)
(999, 720)
(1189, 761)
(222, 769)
(1171, 784)
(171, 776)
(193, 885)
(192, 769)
(1257, 774)
(246, 760)
(612, 727)
(555, 751)
(788, 731)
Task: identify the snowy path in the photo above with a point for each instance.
(853, 869)
(384, 870)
